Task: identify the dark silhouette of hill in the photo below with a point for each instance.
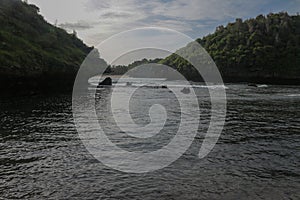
(35, 54)
(265, 49)
(261, 50)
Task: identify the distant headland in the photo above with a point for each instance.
(265, 49)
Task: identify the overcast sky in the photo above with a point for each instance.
(96, 20)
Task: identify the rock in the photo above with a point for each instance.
(106, 82)
(186, 90)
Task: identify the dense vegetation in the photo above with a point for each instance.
(265, 49)
(122, 69)
(33, 52)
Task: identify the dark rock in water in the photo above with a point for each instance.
(106, 82)
(155, 86)
(128, 84)
(186, 90)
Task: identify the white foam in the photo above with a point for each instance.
(293, 95)
(262, 86)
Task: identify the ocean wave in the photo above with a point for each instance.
(293, 95)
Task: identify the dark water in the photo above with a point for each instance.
(257, 156)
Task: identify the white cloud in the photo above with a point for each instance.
(142, 38)
(80, 25)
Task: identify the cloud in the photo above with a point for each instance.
(92, 5)
(173, 24)
(111, 15)
(96, 20)
(192, 10)
(81, 25)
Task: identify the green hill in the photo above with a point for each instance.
(33, 53)
(262, 50)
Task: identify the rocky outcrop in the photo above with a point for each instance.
(107, 82)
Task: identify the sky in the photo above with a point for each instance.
(97, 20)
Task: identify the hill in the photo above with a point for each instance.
(261, 50)
(33, 53)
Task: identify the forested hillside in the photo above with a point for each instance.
(264, 49)
(34, 53)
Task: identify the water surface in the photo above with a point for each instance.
(257, 156)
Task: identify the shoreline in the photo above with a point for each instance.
(29, 88)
